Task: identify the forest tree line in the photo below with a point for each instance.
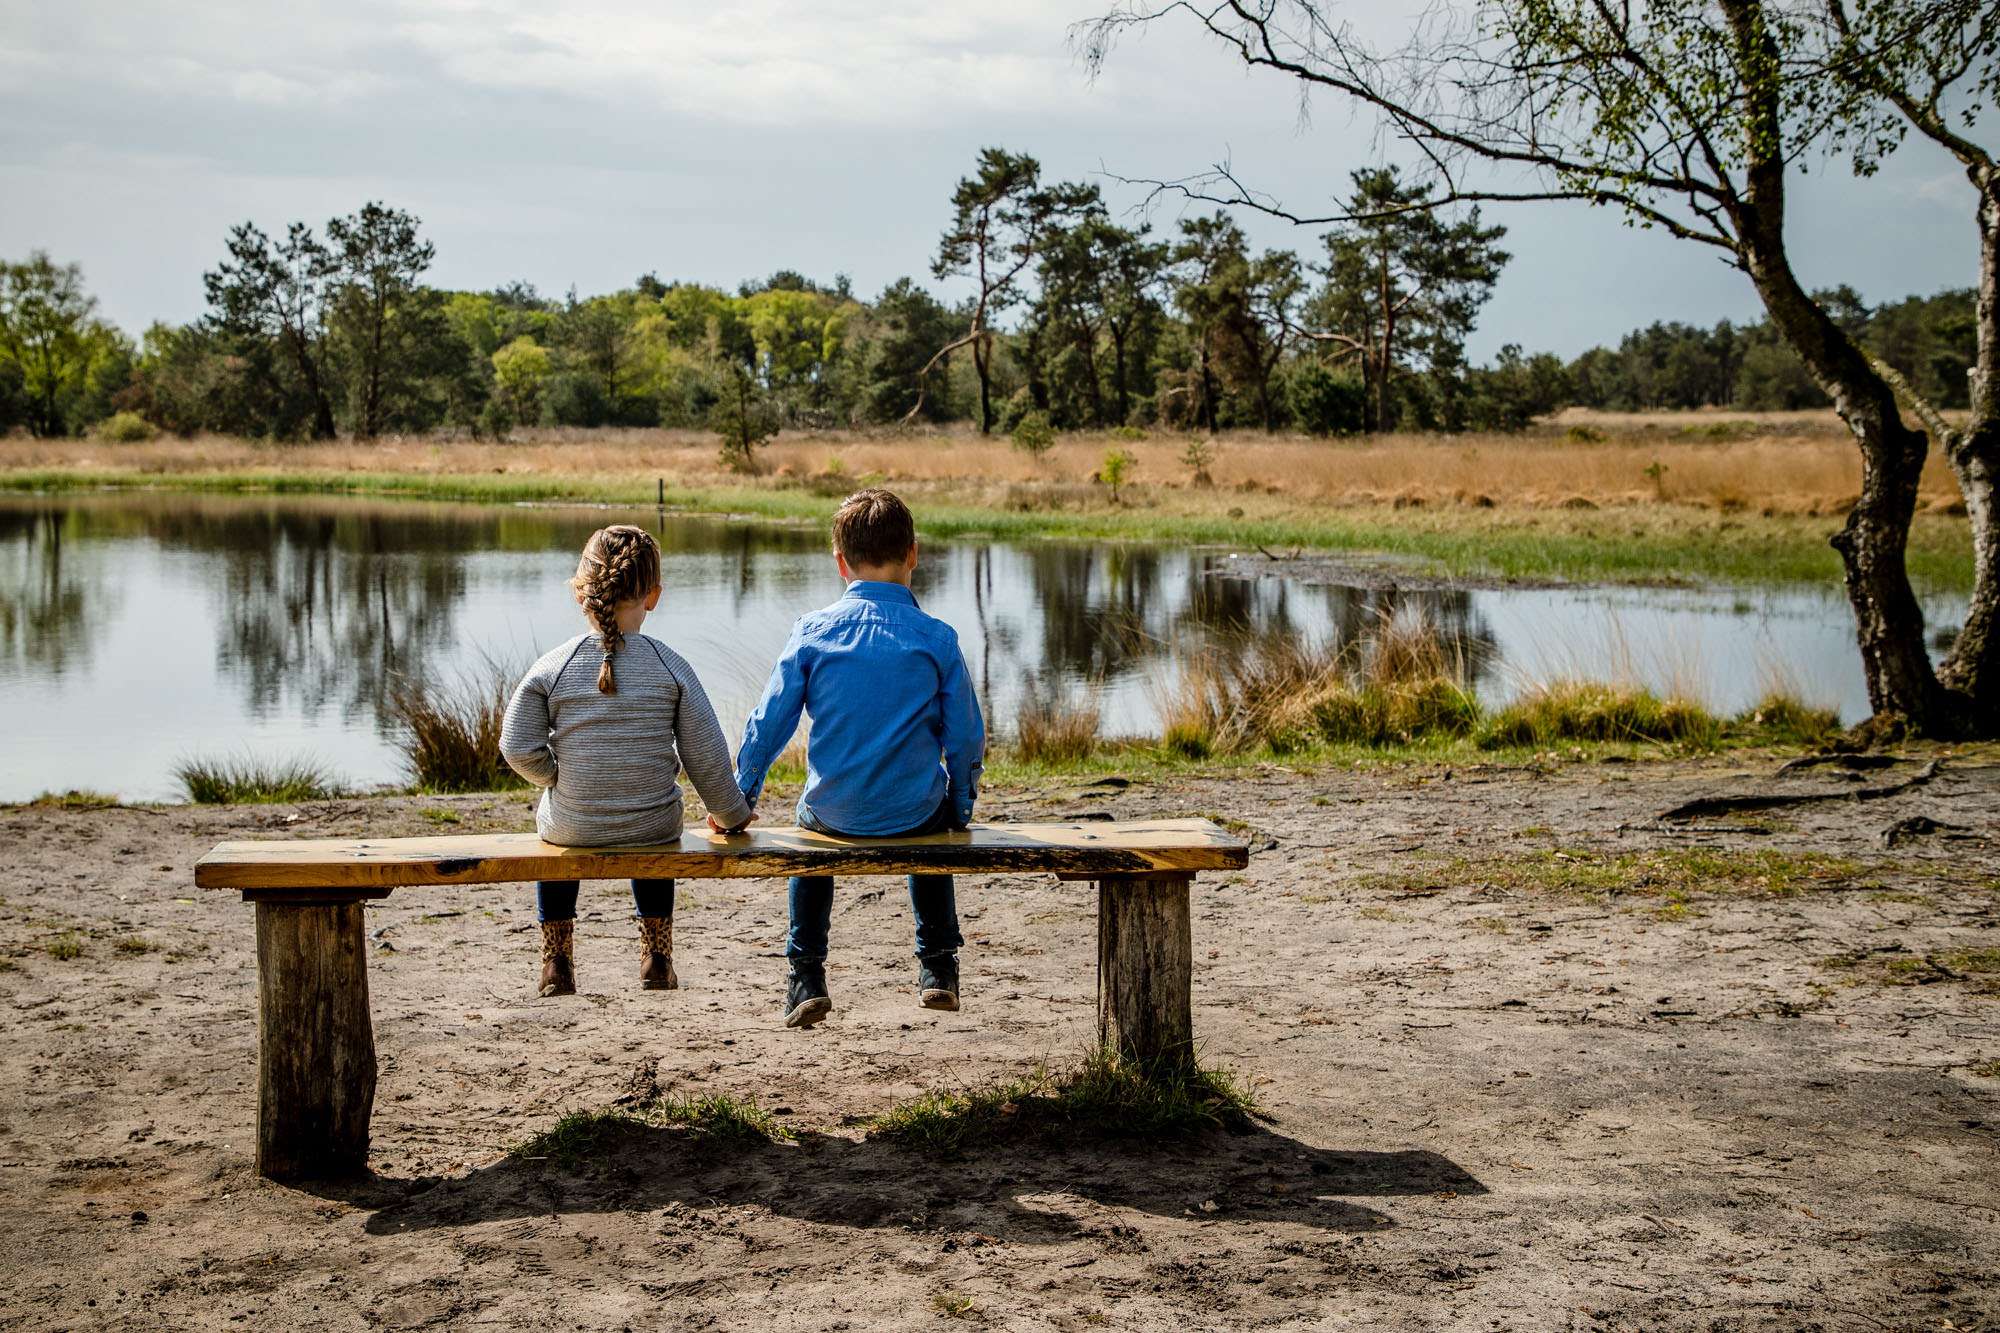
(1074, 321)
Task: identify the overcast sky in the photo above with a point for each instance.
(586, 143)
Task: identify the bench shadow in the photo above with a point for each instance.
(1019, 1191)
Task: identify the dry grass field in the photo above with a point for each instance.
(1796, 463)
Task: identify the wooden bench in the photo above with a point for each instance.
(316, 1043)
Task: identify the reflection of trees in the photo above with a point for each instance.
(43, 601)
(1097, 608)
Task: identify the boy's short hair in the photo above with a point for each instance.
(873, 527)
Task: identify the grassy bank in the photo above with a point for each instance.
(1639, 500)
(1663, 544)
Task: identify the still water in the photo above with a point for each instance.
(139, 629)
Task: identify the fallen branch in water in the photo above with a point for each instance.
(1708, 806)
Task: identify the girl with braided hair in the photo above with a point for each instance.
(604, 724)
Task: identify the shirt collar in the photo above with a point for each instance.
(880, 590)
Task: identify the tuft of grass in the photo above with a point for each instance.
(75, 799)
(249, 780)
(1103, 1096)
(133, 945)
(1056, 730)
(438, 815)
(1571, 710)
(952, 1304)
(1788, 720)
(1985, 1069)
(451, 733)
(581, 1135)
(64, 947)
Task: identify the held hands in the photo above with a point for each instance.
(716, 826)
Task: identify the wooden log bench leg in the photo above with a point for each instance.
(315, 1040)
(1145, 969)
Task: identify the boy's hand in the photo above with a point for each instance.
(717, 827)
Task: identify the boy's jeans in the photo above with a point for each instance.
(933, 901)
(555, 899)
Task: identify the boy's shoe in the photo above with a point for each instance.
(656, 954)
(558, 958)
(937, 981)
(806, 1000)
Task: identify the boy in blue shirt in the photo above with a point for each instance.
(896, 747)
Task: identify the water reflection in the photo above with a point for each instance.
(134, 628)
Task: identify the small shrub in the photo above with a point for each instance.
(1128, 432)
(1584, 435)
(249, 780)
(126, 428)
(64, 947)
(1196, 457)
(1056, 730)
(1033, 435)
(451, 735)
(1114, 469)
(952, 1304)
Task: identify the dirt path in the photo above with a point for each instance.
(1530, 1059)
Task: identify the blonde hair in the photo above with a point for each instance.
(620, 564)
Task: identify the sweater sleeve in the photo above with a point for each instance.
(704, 751)
(524, 731)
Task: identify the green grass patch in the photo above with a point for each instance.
(1976, 969)
(1680, 876)
(248, 780)
(1568, 711)
(133, 945)
(439, 816)
(75, 799)
(952, 1304)
(64, 947)
(1660, 544)
(1101, 1097)
(581, 1136)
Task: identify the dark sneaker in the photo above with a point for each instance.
(937, 981)
(806, 1000)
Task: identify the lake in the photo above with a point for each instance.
(136, 629)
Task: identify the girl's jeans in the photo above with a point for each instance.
(933, 902)
(555, 899)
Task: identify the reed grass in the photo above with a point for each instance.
(1565, 711)
(1056, 729)
(250, 780)
(451, 732)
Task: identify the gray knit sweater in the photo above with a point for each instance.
(607, 763)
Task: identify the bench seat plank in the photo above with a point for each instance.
(1174, 846)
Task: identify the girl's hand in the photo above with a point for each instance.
(718, 827)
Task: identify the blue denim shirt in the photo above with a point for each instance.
(890, 697)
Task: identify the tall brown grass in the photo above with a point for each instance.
(1798, 462)
(451, 732)
(1052, 727)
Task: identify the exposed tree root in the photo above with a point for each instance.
(1707, 807)
(1840, 759)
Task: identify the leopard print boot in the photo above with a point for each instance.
(558, 958)
(656, 953)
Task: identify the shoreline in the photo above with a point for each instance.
(1634, 544)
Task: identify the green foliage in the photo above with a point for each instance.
(1327, 402)
(1033, 435)
(1196, 455)
(1586, 711)
(249, 781)
(1114, 469)
(743, 416)
(126, 428)
(51, 340)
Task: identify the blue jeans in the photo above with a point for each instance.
(933, 901)
(555, 899)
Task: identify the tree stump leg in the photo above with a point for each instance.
(1145, 970)
(315, 1041)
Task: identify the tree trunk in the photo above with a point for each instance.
(315, 1043)
(1145, 970)
(1118, 384)
(1974, 451)
(979, 355)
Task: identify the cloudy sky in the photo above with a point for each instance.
(587, 143)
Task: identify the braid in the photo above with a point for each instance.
(620, 564)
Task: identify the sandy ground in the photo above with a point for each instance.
(1488, 1107)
